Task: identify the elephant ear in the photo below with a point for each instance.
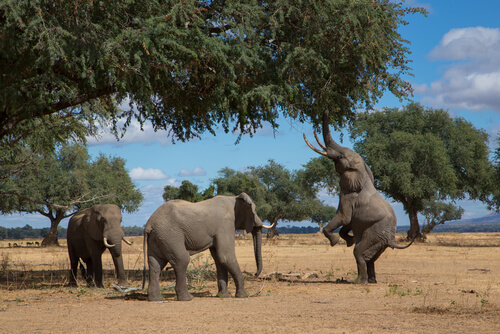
(92, 224)
(245, 214)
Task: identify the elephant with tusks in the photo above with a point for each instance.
(361, 208)
(179, 229)
(90, 232)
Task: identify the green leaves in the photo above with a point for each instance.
(190, 66)
(418, 153)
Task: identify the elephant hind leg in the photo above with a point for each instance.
(371, 271)
(180, 264)
(156, 265)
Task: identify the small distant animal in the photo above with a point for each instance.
(37, 243)
(15, 245)
(29, 243)
(10, 245)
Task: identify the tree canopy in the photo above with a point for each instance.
(57, 185)
(418, 153)
(189, 66)
(437, 213)
(188, 192)
(279, 194)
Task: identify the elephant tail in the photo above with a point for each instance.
(393, 245)
(144, 268)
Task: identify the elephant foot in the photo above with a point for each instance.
(372, 280)
(225, 294)
(241, 294)
(185, 297)
(361, 280)
(123, 283)
(157, 297)
(334, 239)
(72, 284)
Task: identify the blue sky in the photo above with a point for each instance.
(456, 66)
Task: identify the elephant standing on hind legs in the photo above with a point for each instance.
(90, 232)
(179, 229)
(361, 208)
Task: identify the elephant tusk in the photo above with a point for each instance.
(106, 243)
(319, 142)
(314, 148)
(268, 226)
(127, 242)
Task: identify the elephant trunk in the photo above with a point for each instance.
(257, 247)
(334, 149)
(116, 254)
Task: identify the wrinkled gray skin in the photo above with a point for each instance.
(361, 208)
(179, 229)
(88, 232)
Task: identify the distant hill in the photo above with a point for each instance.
(489, 223)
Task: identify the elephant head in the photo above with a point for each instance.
(103, 224)
(246, 218)
(354, 172)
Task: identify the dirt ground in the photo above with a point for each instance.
(451, 284)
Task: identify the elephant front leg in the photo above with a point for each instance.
(342, 218)
(334, 224)
(344, 234)
(222, 276)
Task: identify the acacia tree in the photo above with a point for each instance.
(188, 66)
(437, 213)
(58, 185)
(323, 215)
(417, 154)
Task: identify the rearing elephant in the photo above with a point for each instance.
(361, 208)
(90, 232)
(178, 229)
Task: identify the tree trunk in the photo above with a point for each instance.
(51, 239)
(272, 232)
(414, 231)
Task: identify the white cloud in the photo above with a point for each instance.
(198, 171)
(472, 77)
(133, 134)
(147, 174)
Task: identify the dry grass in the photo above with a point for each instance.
(449, 284)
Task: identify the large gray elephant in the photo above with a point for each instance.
(90, 232)
(361, 208)
(178, 229)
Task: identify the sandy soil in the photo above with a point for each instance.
(448, 285)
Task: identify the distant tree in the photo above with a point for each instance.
(57, 185)
(418, 153)
(494, 201)
(319, 174)
(437, 213)
(188, 192)
(323, 215)
(276, 192)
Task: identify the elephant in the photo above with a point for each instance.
(361, 208)
(90, 232)
(179, 229)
